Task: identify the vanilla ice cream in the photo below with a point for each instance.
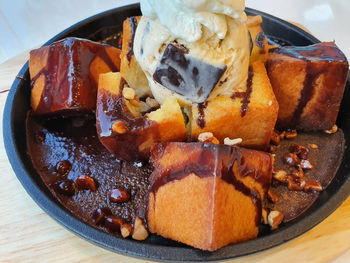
(193, 49)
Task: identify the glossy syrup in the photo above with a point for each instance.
(206, 165)
(68, 83)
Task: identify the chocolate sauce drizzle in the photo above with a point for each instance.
(111, 108)
(323, 52)
(133, 25)
(245, 96)
(66, 84)
(213, 160)
(201, 114)
(306, 94)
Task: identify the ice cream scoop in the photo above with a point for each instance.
(193, 50)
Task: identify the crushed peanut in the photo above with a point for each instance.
(275, 138)
(207, 137)
(144, 107)
(296, 183)
(228, 141)
(140, 232)
(152, 103)
(128, 93)
(275, 218)
(313, 186)
(272, 196)
(291, 134)
(125, 230)
(333, 130)
(282, 135)
(313, 146)
(119, 127)
(280, 175)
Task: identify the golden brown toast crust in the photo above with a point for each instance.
(250, 117)
(308, 83)
(65, 74)
(211, 196)
(260, 46)
(129, 68)
(124, 131)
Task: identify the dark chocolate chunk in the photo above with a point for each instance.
(186, 75)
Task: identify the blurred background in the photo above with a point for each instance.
(26, 24)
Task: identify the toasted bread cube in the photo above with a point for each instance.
(250, 115)
(260, 46)
(207, 198)
(308, 83)
(64, 75)
(122, 128)
(130, 69)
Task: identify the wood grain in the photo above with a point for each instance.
(27, 234)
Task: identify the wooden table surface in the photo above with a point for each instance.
(27, 234)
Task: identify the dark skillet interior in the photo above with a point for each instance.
(97, 28)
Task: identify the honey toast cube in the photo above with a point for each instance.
(130, 69)
(211, 196)
(250, 114)
(64, 75)
(259, 45)
(308, 83)
(124, 130)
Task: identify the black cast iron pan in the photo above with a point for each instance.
(98, 27)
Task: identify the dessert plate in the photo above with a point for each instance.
(108, 24)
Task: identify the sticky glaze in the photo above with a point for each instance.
(213, 160)
(68, 83)
(111, 108)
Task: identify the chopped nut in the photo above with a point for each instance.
(85, 182)
(301, 151)
(313, 146)
(128, 93)
(305, 164)
(140, 232)
(280, 175)
(283, 135)
(272, 196)
(64, 187)
(295, 183)
(100, 213)
(125, 230)
(291, 134)
(291, 159)
(298, 173)
(63, 167)
(207, 137)
(333, 130)
(113, 223)
(152, 103)
(264, 216)
(275, 138)
(313, 186)
(119, 196)
(119, 127)
(275, 218)
(271, 149)
(144, 107)
(135, 102)
(228, 141)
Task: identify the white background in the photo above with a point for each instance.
(26, 24)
